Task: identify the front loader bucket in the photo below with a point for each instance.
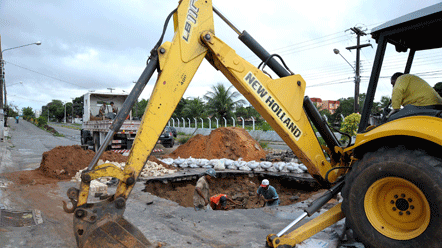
(102, 225)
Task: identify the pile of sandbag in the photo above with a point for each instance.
(223, 164)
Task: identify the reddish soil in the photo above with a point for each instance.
(63, 162)
(224, 142)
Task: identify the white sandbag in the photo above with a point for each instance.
(278, 165)
(297, 170)
(291, 166)
(183, 165)
(258, 169)
(272, 169)
(179, 161)
(167, 161)
(303, 167)
(231, 167)
(265, 164)
(207, 166)
(193, 165)
(202, 162)
(244, 168)
(252, 164)
(191, 160)
(219, 164)
(228, 162)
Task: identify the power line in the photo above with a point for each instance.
(61, 80)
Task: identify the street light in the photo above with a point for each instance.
(336, 51)
(357, 80)
(3, 85)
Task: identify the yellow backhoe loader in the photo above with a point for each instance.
(390, 177)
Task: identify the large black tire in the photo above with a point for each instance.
(393, 198)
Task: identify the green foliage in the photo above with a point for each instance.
(183, 140)
(28, 112)
(263, 144)
(194, 108)
(42, 121)
(438, 88)
(247, 112)
(264, 126)
(350, 124)
(11, 110)
(139, 108)
(221, 101)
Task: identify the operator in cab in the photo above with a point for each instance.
(268, 194)
(410, 89)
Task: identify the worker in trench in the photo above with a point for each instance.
(219, 202)
(268, 193)
(201, 194)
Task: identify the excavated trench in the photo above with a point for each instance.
(239, 187)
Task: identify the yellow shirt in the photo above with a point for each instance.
(411, 89)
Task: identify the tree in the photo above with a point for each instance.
(221, 101)
(11, 110)
(194, 108)
(179, 108)
(78, 106)
(438, 88)
(28, 112)
(56, 110)
(350, 125)
(139, 108)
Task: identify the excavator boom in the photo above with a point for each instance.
(280, 101)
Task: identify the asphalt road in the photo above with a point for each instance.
(161, 221)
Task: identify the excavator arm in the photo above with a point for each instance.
(279, 101)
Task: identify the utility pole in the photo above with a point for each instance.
(358, 47)
(2, 81)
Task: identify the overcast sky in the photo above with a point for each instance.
(95, 45)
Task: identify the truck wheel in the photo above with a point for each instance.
(96, 142)
(393, 198)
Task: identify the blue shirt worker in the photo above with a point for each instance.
(268, 193)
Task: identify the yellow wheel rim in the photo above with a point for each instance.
(397, 208)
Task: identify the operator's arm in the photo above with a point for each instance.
(398, 94)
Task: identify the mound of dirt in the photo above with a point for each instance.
(63, 162)
(224, 142)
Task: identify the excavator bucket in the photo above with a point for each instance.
(102, 225)
(118, 233)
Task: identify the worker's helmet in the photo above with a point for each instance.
(265, 183)
(211, 172)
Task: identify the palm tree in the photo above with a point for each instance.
(194, 108)
(221, 101)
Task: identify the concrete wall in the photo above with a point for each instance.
(256, 134)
